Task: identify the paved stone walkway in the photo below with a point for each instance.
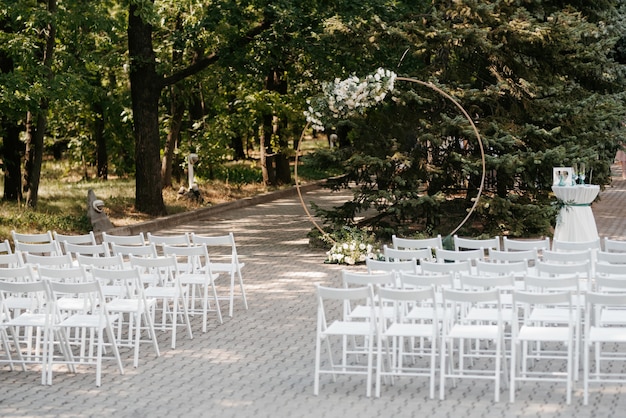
(260, 362)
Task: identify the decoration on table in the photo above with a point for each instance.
(581, 173)
(352, 97)
(562, 204)
(562, 176)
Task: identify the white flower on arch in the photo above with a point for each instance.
(342, 99)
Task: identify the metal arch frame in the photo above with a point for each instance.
(467, 116)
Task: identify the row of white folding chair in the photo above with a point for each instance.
(357, 320)
(195, 272)
(561, 319)
(509, 245)
(222, 262)
(63, 270)
(604, 334)
(45, 316)
(386, 328)
(123, 287)
(506, 244)
(506, 285)
(437, 243)
(161, 277)
(126, 244)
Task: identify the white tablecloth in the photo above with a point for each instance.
(575, 221)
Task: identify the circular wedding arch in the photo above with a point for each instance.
(463, 111)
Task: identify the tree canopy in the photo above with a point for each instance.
(133, 85)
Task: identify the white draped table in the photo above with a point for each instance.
(575, 221)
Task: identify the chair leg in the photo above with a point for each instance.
(316, 377)
(243, 292)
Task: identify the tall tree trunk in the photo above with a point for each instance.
(35, 134)
(12, 157)
(12, 147)
(176, 117)
(177, 111)
(145, 91)
(265, 172)
(35, 130)
(281, 172)
(102, 156)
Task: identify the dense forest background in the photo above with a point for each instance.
(131, 87)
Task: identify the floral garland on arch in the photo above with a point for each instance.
(343, 99)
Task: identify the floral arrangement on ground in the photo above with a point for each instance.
(353, 246)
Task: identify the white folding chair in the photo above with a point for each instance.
(32, 238)
(530, 257)
(537, 245)
(487, 339)
(416, 281)
(46, 248)
(567, 282)
(183, 240)
(574, 256)
(614, 246)
(580, 269)
(462, 244)
(225, 261)
(80, 239)
(395, 332)
(417, 255)
(160, 275)
(334, 328)
(356, 279)
(359, 279)
(606, 336)
(27, 323)
(195, 270)
(127, 240)
(93, 316)
(515, 268)
(53, 261)
(528, 364)
(454, 269)
(453, 256)
(112, 262)
(11, 260)
(132, 306)
(72, 274)
(614, 271)
(396, 267)
(5, 247)
(18, 274)
(416, 243)
(593, 245)
(91, 250)
(129, 251)
(610, 257)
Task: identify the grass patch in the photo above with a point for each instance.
(62, 199)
